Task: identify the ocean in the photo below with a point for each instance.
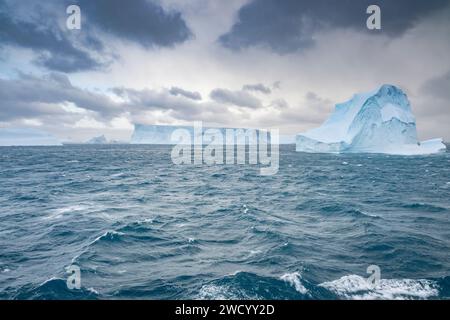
(139, 227)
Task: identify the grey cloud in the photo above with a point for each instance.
(257, 87)
(436, 126)
(276, 85)
(148, 99)
(178, 107)
(188, 94)
(30, 96)
(438, 87)
(237, 98)
(279, 104)
(314, 102)
(289, 25)
(313, 111)
(432, 107)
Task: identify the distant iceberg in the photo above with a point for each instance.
(98, 140)
(380, 121)
(26, 137)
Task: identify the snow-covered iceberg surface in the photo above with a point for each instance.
(380, 121)
(26, 137)
(162, 134)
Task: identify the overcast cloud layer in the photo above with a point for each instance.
(237, 63)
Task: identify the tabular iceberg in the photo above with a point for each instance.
(380, 121)
(162, 134)
(26, 137)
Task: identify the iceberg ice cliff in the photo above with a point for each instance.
(153, 134)
(380, 121)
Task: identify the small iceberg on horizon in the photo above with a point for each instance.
(380, 121)
(97, 140)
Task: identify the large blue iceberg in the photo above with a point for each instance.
(380, 121)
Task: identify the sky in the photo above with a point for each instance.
(237, 63)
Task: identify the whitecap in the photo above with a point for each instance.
(59, 212)
(295, 280)
(369, 214)
(106, 234)
(93, 291)
(110, 233)
(117, 175)
(254, 252)
(50, 280)
(70, 209)
(357, 287)
(215, 292)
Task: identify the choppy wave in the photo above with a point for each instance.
(52, 289)
(293, 286)
(237, 287)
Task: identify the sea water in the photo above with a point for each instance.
(138, 226)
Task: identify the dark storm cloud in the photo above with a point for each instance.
(289, 25)
(41, 28)
(432, 106)
(259, 87)
(237, 98)
(141, 21)
(175, 91)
